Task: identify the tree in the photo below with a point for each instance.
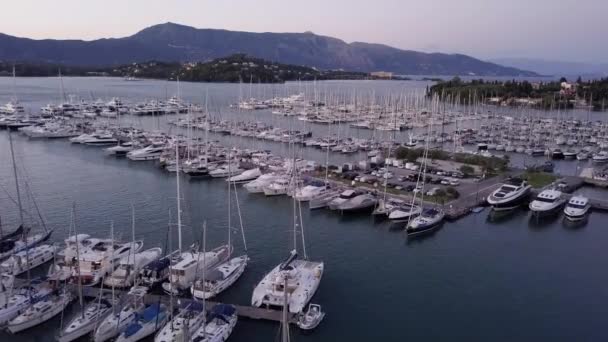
(452, 192)
(467, 170)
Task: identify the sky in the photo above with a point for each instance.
(566, 30)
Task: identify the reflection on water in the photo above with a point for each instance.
(499, 216)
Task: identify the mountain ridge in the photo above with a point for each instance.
(172, 42)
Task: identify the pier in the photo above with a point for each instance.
(244, 311)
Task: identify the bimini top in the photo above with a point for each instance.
(158, 265)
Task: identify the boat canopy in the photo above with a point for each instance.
(158, 265)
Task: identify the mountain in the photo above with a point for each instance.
(172, 42)
(555, 68)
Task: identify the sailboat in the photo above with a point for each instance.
(22, 298)
(115, 323)
(41, 311)
(184, 271)
(300, 278)
(228, 272)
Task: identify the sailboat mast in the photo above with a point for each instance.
(10, 139)
(179, 203)
(229, 206)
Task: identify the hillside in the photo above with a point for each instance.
(177, 43)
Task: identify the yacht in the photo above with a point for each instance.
(306, 193)
(220, 278)
(41, 311)
(218, 327)
(404, 212)
(277, 187)
(428, 221)
(157, 271)
(322, 200)
(547, 202)
(146, 323)
(85, 322)
(120, 150)
(190, 265)
(28, 259)
(129, 267)
(246, 176)
(344, 196)
(257, 186)
(150, 152)
(226, 171)
(188, 320)
(600, 157)
(577, 208)
(510, 195)
(363, 202)
(100, 260)
(100, 140)
(303, 278)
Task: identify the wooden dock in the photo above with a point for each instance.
(244, 311)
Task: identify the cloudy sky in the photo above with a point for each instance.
(570, 30)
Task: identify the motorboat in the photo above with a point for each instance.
(322, 200)
(257, 186)
(100, 140)
(188, 320)
(226, 171)
(278, 187)
(28, 259)
(120, 150)
(219, 278)
(510, 194)
(85, 321)
(246, 176)
(342, 198)
(190, 265)
(149, 152)
(129, 267)
(219, 325)
(306, 193)
(363, 202)
(577, 208)
(600, 157)
(547, 202)
(41, 311)
(145, 323)
(427, 221)
(101, 259)
(303, 278)
(311, 318)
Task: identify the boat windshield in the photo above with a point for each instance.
(546, 200)
(576, 206)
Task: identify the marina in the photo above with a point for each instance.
(141, 194)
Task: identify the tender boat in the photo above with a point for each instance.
(311, 318)
(428, 221)
(510, 195)
(303, 278)
(547, 202)
(577, 208)
(220, 278)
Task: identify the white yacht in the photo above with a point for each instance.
(150, 152)
(222, 320)
(577, 208)
(180, 328)
(359, 203)
(322, 200)
(278, 187)
(100, 260)
(220, 278)
(429, 220)
(404, 212)
(120, 150)
(28, 259)
(100, 140)
(226, 171)
(600, 157)
(344, 197)
(40, 312)
(246, 176)
(306, 193)
(510, 195)
(303, 278)
(547, 202)
(85, 322)
(129, 267)
(257, 186)
(190, 265)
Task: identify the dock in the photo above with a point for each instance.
(243, 311)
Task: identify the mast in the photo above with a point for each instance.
(284, 321)
(179, 203)
(229, 209)
(81, 302)
(10, 139)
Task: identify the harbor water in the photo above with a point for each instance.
(483, 277)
